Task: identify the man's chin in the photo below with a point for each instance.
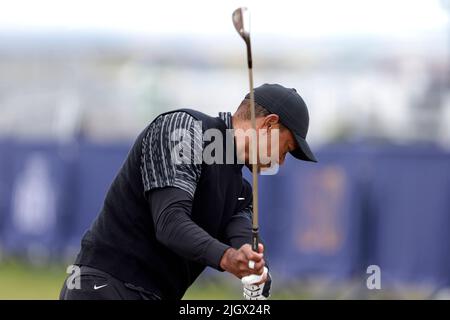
(267, 170)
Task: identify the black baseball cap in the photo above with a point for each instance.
(292, 111)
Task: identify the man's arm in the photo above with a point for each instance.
(239, 230)
(171, 212)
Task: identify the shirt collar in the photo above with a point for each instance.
(226, 117)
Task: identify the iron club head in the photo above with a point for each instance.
(241, 21)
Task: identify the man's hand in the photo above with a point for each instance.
(238, 262)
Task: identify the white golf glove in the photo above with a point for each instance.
(257, 292)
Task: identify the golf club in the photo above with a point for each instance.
(241, 21)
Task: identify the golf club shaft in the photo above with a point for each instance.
(254, 156)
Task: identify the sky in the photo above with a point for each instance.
(304, 18)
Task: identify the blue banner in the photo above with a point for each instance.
(360, 205)
(410, 210)
(40, 176)
(96, 167)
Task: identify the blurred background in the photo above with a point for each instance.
(79, 80)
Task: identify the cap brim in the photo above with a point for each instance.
(303, 152)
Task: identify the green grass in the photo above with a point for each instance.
(19, 280)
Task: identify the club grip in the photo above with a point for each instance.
(255, 239)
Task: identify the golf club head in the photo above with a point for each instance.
(241, 21)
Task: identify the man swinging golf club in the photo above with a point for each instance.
(170, 213)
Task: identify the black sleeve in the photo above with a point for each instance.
(239, 231)
(171, 212)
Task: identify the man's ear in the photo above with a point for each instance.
(270, 121)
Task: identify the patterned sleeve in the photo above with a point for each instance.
(171, 153)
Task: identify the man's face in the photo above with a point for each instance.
(274, 142)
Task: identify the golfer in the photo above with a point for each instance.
(164, 220)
